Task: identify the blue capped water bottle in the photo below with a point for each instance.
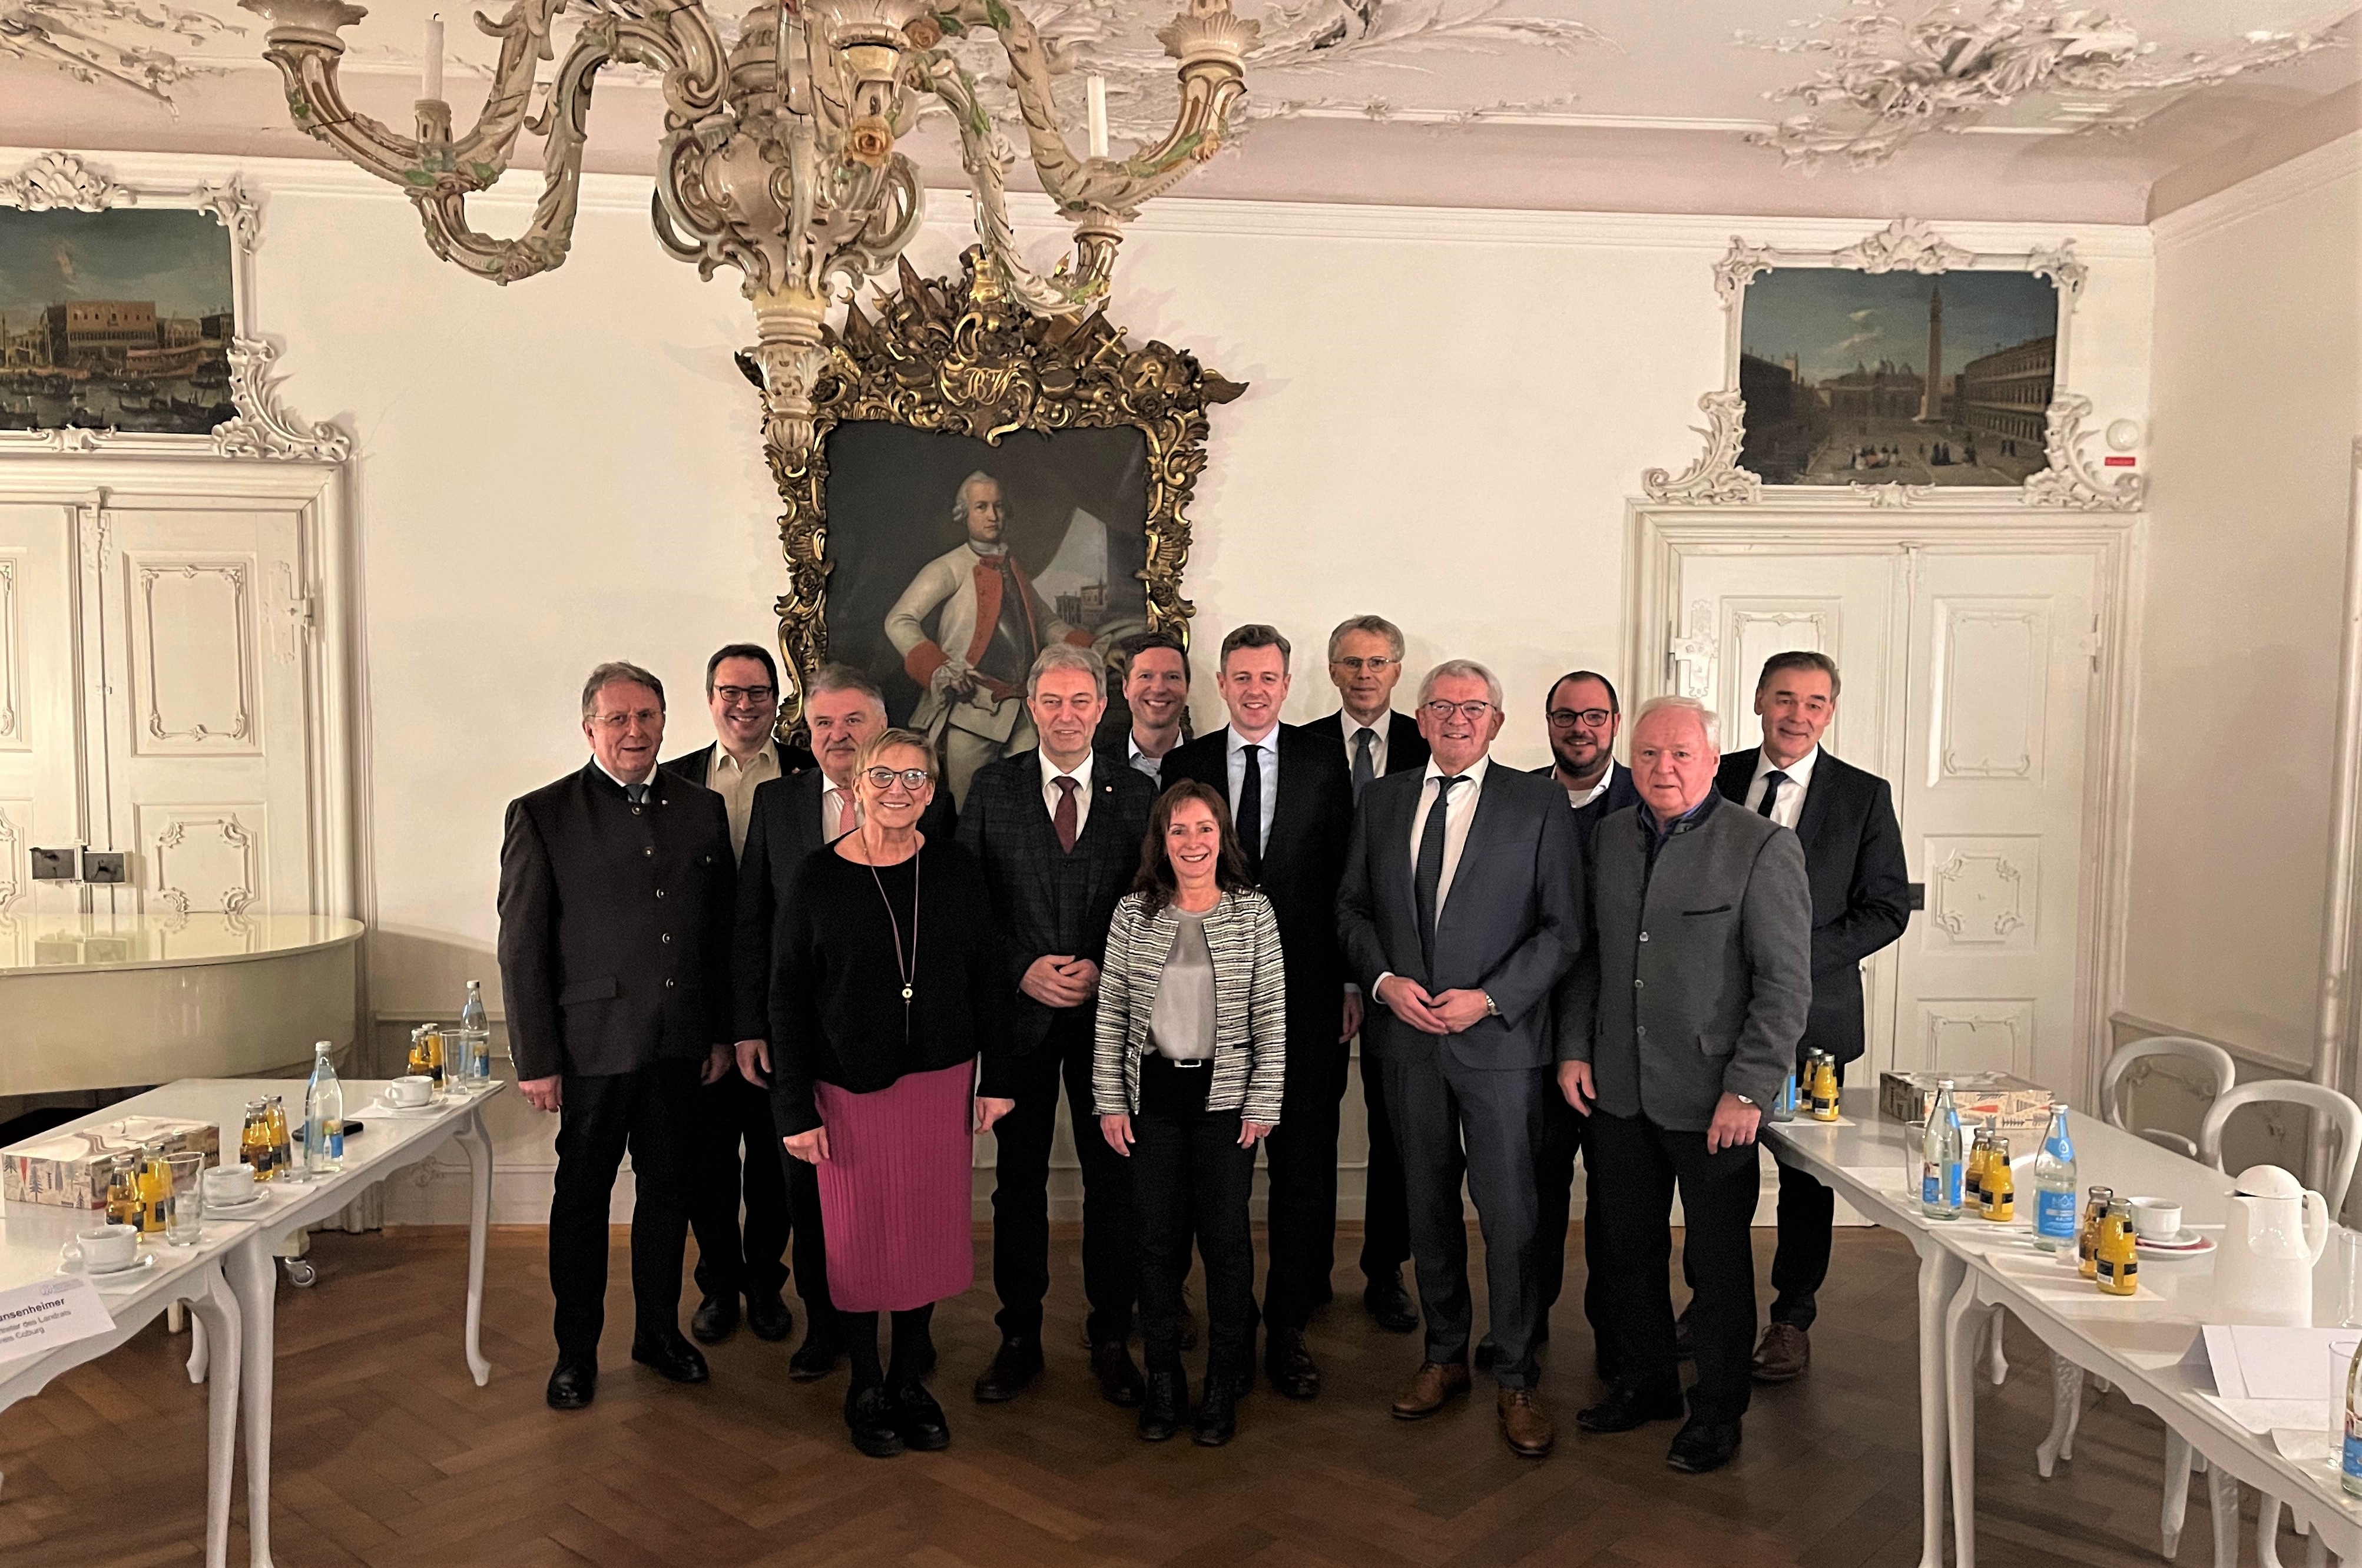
(2056, 1224)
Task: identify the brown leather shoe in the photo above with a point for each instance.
(1783, 1354)
(1525, 1423)
(1435, 1382)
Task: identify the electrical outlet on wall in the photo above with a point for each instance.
(53, 864)
(104, 866)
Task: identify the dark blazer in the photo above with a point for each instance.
(691, 765)
(1405, 748)
(782, 831)
(1699, 976)
(1861, 887)
(1621, 792)
(1045, 899)
(1311, 828)
(1511, 924)
(614, 942)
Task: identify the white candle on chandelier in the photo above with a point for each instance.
(1095, 97)
(434, 87)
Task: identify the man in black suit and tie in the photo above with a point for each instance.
(1366, 655)
(1584, 716)
(791, 817)
(1059, 832)
(615, 897)
(1292, 802)
(1861, 900)
(1460, 909)
(741, 692)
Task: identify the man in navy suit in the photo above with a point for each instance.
(1861, 900)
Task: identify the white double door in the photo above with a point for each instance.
(1970, 683)
(158, 697)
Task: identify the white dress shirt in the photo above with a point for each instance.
(736, 784)
(1790, 806)
(829, 831)
(1354, 726)
(1579, 799)
(1267, 772)
(1455, 824)
(1082, 778)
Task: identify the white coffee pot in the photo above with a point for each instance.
(2274, 1230)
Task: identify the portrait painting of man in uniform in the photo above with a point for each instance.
(955, 562)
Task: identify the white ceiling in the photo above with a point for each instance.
(1634, 105)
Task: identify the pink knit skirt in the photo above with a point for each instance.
(894, 1192)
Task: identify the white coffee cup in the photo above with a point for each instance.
(102, 1248)
(410, 1091)
(2156, 1219)
(232, 1184)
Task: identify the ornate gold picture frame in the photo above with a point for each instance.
(961, 358)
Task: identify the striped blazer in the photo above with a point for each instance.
(1249, 1005)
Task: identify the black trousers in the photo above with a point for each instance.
(1190, 1180)
(1800, 1262)
(1562, 1130)
(1452, 1123)
(1386, 1225)
(731, 1113)
(1021, 1193)
(1300, 1165)
(1635, 1166)
(652, 1112)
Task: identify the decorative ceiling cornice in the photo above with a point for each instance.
(110, 40)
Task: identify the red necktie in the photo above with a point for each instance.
(845, 820)
(1065, 818)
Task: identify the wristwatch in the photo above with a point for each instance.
(1492, 1008)
(1742, 1100)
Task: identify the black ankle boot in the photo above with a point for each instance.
(1167, 1405)
(870, 1417)
(1218, 1412)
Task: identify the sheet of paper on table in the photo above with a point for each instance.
(2269, 1378)
(49, 1313)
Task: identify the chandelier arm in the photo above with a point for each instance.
(987, 161)
(890, 227)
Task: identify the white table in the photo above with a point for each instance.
(31, 1238)
(386, 1145)
(1863, 1156)
(2137, 1344)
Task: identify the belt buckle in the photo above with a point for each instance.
(1189, 1063)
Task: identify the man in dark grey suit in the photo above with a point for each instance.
(1460, 910)
(1678, 1026)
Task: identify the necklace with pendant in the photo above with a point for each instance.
(908, 971)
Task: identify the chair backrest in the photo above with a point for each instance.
(2331, 1109)
(2215, 1062)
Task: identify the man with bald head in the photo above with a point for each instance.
(1677, 1027)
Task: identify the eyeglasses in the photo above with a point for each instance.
(1472, 712)
(732, 696)
(613, 722)
(911, 779)
(1589, 718)
(1377, 666)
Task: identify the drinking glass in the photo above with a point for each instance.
(2349, 1279)
(184, 1226)
(469, 1057)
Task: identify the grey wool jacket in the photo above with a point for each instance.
(1699, 975)
(1249, 1005)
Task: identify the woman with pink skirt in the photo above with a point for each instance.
(886, 995)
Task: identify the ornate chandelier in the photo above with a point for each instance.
(779, 156)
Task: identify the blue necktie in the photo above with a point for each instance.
(1250, 813)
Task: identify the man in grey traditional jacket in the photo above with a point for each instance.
(1677, 1026)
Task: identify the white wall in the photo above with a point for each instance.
(2258, 371)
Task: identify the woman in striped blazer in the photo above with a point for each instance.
(1192, 1049)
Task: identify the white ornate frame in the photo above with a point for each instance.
(2073, 481)
(264, 428)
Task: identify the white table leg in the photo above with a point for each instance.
(2222, 1500)
(2066, 1414)
(217, 1310)
(2178, 1461)
(2267, 1531)
(1961, 1345)
(1939, 1275)
(197, 1349)
(478, 1146)
(2000, 1363)
(254, 1274)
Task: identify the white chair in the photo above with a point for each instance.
(2066, 1377)
(2333, 1113)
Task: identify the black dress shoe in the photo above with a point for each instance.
(1165, 1405)
(1390, 1305)
(1291, 1364)
(1701, 1446)
(871, 1416)
(815, 1358)
(768, 1316)
(716, 1318)
(1684, 1343)
(1218, 1414)
(1014, 1366)
(571, 1386)
(1626, 1408)
(920, 1420)
(671, 1355)
(1120, 1380)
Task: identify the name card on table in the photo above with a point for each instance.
(2268, 1379)
(49, 1313)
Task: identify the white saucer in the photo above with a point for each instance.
(215, 1206)
(2186, 1244)
(101, 1275)
(380, 1108)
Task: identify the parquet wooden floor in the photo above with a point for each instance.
(389, 1456)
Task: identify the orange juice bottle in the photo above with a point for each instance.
(2000, 1204)
(2119, 1256)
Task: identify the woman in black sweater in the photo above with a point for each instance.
(887, 990)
